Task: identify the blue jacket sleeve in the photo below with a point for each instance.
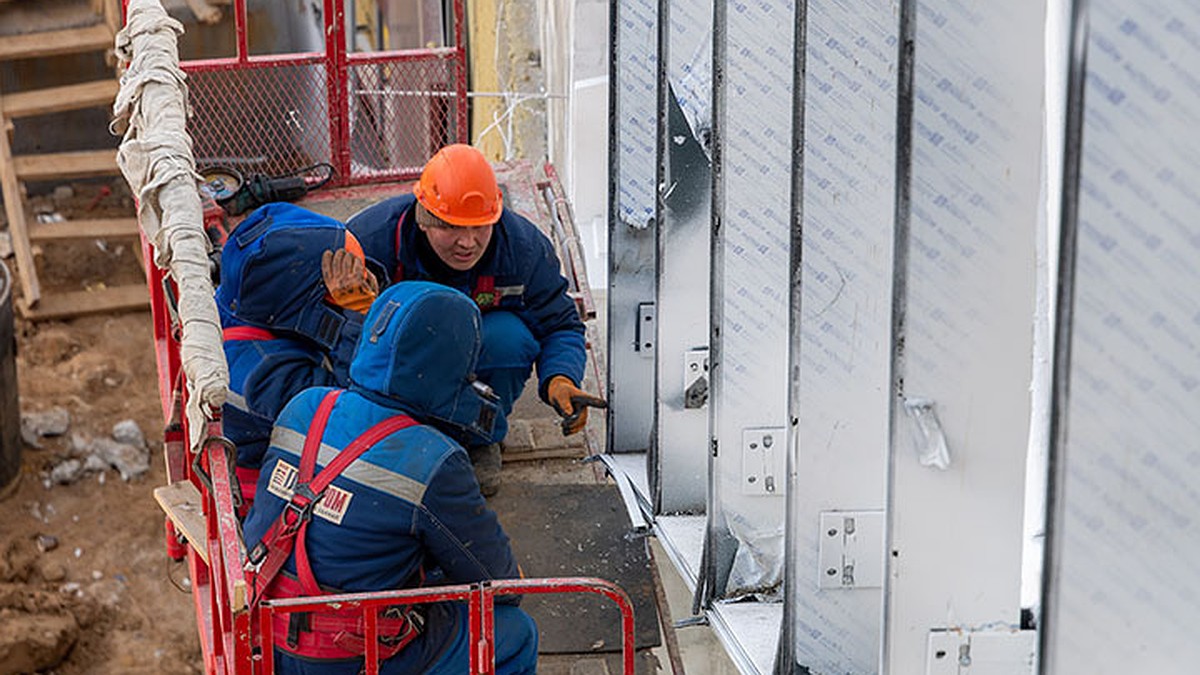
(283, 374)
(462, 535)
(553, 319)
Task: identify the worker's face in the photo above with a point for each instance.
(459, 247)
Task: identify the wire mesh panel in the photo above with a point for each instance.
(1124, 539)
(965, 300)
(372, 117)
(631, 317)
(841, 339)
(679, 453)
(271, 120)
(401, 112)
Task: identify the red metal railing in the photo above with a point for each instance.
(373, 116)
(480, 599)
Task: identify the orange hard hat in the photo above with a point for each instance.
(459, 187)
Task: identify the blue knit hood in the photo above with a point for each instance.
(271, 273)
(418, 351)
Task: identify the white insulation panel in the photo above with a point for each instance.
(967, 341)
(631, 244)
(750, 274)
(1125, 595)
(845, 314)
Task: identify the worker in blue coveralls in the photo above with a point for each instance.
(288, 323)
(381, 493)
(454, 230)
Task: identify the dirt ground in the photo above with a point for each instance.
(107, 590)
(85, 584)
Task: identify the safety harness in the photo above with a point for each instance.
(247, 477)
(332, 634)
(235, 333)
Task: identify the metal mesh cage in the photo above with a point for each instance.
(272, 120)
(401, 112)
(372, 116)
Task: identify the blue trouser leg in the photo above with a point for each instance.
(506, 361)
(516, 644)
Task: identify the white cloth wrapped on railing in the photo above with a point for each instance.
(156, 159)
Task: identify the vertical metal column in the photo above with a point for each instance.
(679, 453)
(1122, 584)
(841, 336)
(631, 242)
(963, 355)
(752, 185)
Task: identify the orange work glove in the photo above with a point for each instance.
(349, 283)
(571, 402)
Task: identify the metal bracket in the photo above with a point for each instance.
(695, 378)
(850, 550)
(962, 652)
(763, 460)
(647, 329)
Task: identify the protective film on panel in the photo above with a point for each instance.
(844, 320)
(750, 295)
(681, 442)
(964, 351)
(631, 225)
(1126, 589)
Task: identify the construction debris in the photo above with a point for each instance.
(130, 461)
(128, 432)
(36, 425)
(126, 452)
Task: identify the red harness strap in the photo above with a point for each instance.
(287, 532)
(339, 634)
(247, 333)
(334, 633)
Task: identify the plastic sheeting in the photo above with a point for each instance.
(1124, 586)
(841, 322)
(966, 298)
(155, 157)
(753, 163)
(631, 228)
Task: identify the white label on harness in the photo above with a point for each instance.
(331, 507)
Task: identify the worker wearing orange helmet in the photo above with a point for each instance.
(454, 230)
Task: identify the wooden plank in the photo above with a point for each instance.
(55, 42)
(79, 303)
(64, 165)
(14, 208)
(58, 99)
(181, 502)
(101, 228)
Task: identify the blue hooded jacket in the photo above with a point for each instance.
(271, 281)
(412, 498)
(520, 261)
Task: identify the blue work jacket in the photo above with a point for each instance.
(519, 272)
